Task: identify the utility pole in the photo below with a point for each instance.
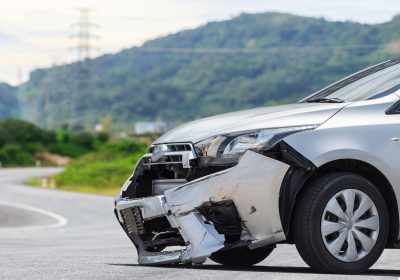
(83, 36)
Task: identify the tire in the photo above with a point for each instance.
(313, 219)
(242, 257)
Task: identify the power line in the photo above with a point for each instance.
(257, 50)
(129, 18)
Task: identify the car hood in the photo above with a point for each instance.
(259, 118)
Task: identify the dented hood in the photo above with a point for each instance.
(259, 118)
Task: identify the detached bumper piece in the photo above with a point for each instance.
(140, 218)
(236, 207)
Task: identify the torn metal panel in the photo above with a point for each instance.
(151, 207)
(203, 238)
(157, 258)
(253, 185)
(251, 188)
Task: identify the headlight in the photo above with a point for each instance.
(228, 148)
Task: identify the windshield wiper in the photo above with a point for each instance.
(325, 100)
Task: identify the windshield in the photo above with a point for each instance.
(374, 82)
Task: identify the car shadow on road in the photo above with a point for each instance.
(260, 268)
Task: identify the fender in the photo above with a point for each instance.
(301, 169)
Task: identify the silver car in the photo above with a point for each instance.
(323, 174)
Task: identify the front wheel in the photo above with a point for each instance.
(341, 224)
(243, 257)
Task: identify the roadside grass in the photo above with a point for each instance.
(100, 172)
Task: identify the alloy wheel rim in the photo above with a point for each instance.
(350, 225)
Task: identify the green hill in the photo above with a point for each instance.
(249, 61)
(8, 101)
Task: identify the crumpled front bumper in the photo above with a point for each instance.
(253, 188)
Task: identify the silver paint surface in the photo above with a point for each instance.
(268, 117)
(360, 131)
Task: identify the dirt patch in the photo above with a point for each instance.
(53, 158)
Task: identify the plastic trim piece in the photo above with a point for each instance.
(394, 110)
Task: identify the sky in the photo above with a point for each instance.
(38, 33)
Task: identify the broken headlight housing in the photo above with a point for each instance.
(227, 149)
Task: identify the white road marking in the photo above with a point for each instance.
(61, 221)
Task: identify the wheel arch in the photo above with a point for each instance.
(297, 179)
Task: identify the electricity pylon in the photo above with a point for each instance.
(83, 47)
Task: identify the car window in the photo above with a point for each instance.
(372, 83)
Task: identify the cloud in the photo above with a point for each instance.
(37, 32)
(6, 39)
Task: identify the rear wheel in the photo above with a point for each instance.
(341, 224)
(241, 256)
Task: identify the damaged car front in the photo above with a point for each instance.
(211, 188)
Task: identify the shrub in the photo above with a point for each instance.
(17, 131)
(83, 139)
(11, 155)
(32, 147)
(102, 137)
(124, 146)
(67, 149)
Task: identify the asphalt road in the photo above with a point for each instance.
(48, 234)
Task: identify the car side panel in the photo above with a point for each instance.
(361, 131)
